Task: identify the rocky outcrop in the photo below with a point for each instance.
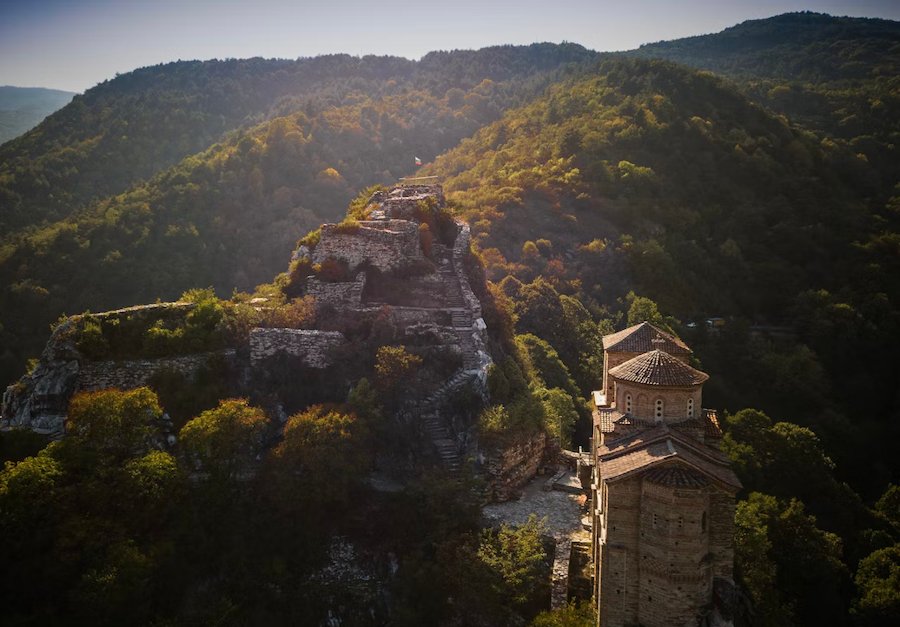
(509, 468)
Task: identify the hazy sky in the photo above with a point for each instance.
(74, 44)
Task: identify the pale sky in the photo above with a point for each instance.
(74, 44)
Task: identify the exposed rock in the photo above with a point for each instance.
(509, 468)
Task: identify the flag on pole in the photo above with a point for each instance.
(418, 162)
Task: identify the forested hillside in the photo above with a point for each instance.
(22, 108)
(836, 76)
(748, 177)
(93, 235)
(646, 177)
(137, 124)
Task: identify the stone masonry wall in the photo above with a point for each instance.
(675, 401)
(619, 585)
(345, 294)
(314, 347)
(460, 249)
(134, 373)
(385, 244)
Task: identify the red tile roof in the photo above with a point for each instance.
(665, 452)
(657, 367)
(677, 476)
(639, 339)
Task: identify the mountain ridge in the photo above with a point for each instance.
(22, 108)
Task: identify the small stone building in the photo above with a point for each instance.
(662, 493)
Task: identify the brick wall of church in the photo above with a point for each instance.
(653, 567)
(675, 401)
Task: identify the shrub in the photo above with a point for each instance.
(310, 239)
(299, 271)
(347, 226)
(333, 270)
(393, 366)
(299, 313)
(426, 240)
(91, 342)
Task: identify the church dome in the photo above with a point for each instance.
(657, 367)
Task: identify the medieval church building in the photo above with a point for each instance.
(663, 494)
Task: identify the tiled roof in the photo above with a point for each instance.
(639, 339)
(657, 367)
(707, 423)
(677, 476)
(605, 417)
(659, 452)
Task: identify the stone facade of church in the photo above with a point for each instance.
(663, 494)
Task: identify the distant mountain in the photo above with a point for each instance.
(802, 46)
(140, 123)
(836, 76)
(22, 108)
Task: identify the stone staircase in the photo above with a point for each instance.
(429, 412)
(443, 442)
(461, 317)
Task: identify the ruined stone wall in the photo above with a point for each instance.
(385, 244)
(134, 373)
(313, 347)
(345, 294)
(408, 316)
(460, 250)
(510, 468)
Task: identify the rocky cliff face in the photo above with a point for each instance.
(40, 399)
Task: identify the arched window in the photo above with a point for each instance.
(628, 404)
(690, 408)
(659, 409)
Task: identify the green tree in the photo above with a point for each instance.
(322, 455)
(878, 587)
(517, 556)
(115, 424)
(791, 568)
(224, 441)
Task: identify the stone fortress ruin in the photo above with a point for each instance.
(389, 265)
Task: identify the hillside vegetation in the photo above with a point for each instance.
(757, 187)
(226, 216)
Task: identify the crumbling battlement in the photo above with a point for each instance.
(40, 399)
(134, 373)
(346, 294)
(315, 348)
(383, 244)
